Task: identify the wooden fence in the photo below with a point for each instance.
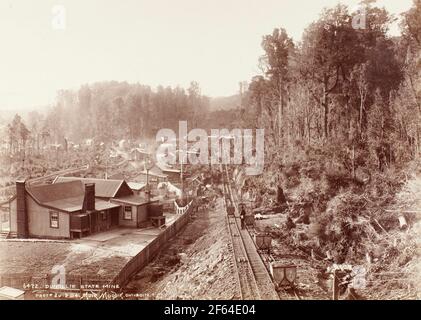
(83, 284)
(151, 250)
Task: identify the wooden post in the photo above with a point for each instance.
(335, 286)
(353, 161)
(313, 256)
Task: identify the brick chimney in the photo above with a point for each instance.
(21, 211)
(89, 199)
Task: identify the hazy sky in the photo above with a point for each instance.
(168, 42)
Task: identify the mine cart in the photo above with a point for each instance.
(284, 276)
(230, 210)
(249, 220)
(263, 241)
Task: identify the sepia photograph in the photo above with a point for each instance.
(210, 150)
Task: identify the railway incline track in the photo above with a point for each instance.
(254, 278)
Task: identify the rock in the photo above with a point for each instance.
(183, 257)
(210, 280)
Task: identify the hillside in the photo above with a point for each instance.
(225, 103)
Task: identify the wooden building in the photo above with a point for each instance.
(138, 154)
(153, 176)
(73, 207)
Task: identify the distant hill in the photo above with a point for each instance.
(7, 114)
(225, 103)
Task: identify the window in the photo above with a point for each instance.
(104, 215)
(54, 219)
(127, 213)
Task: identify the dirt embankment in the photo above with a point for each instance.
(396, 273)
(356, 227)
(197, 264)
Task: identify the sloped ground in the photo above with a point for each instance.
(310, 281)
(397, 274)
(389, 254)
(198, 264)
(99, 256)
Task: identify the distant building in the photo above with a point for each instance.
(117, 176)
(174, 175)
(74, 207)
(138, 154)
(153, 176)
(89, 142)
(138, 188)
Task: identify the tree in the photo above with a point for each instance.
(36, 124)
(278, 48)
(18, 136)
(411, 26)
(194, 101)
(329, 51)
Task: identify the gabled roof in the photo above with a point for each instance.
(103, 188)
(136, 185)
(65, 196)
(142, 176)
(57, 191)
(155, 171)
(132, 200)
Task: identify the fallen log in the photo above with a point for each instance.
(381, 227)
(403, 211)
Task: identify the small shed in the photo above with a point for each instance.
(9, 293)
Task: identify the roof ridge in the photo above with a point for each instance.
(119, 186)
(98, 179)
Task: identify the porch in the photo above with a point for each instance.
(85, 224)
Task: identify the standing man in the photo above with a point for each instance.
(242, 217)
(281, 199)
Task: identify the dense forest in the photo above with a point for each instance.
(358, 90)
(342, 116)
(113, 110)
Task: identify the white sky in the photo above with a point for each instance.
(168, 42)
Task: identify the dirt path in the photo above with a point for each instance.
(197, 264)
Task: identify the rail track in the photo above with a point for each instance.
(253, 276)
(260, 260)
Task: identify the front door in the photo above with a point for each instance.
(94, 222)
(114, 216)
